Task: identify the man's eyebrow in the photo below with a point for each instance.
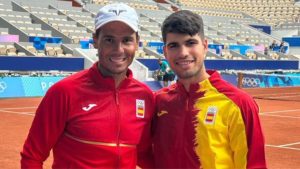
(123, 37)
(191, 39)
(129, 37)
(171, 43)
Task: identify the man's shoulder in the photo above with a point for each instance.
(166, 90)
(232, 92)
(69, 81)
(141, 85)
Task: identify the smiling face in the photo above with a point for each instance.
(186, 54)
(116, 44)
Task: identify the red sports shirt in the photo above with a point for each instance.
(213, 126)
(90, 124)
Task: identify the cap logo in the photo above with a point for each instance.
(117, 12)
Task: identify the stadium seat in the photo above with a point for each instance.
(3, 50)
(50, 51)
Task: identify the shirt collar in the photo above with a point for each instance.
(107, 81)
(214, 75)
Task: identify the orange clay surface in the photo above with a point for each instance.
(280, 121)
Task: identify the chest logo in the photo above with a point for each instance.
(159, 114)
(89, 107)
(211, 115)
(140, 108)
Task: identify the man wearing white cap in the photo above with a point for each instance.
(100, 117)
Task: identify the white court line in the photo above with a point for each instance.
(284, 145)
(16, 108)
(292, 117)
(281, 111)
(23, 113)
(290, 148)
(276, 94)
(274, 97)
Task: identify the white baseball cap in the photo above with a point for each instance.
(117, 12)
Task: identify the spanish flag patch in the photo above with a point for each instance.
(140, 108)
(211, 115)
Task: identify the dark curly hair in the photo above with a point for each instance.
(183, 22)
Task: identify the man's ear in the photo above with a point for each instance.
(137, 42)
(95, 41)
(165, 52)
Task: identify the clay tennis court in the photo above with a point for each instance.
(280, 121)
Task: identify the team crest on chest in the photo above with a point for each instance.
(140, 108)
(211, 115)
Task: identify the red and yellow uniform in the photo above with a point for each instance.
(213, 126)
(90, 124)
